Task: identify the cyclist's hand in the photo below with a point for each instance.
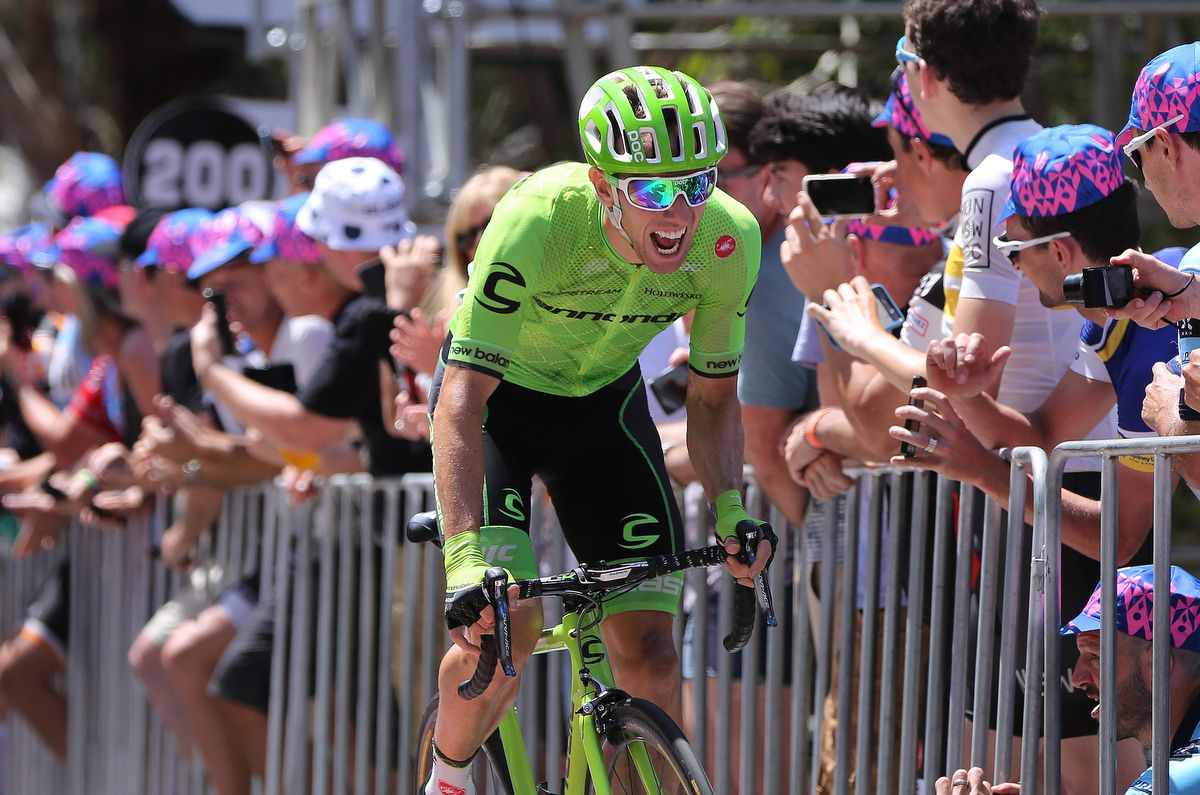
(731, 517)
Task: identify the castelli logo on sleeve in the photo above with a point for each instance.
(725, 246)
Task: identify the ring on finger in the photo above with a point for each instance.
(929, 448)
(959, 782)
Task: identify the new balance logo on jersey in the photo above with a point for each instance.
(691, 267)
(467, 353)
(595, 267)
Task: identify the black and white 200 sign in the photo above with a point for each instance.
(196, 152)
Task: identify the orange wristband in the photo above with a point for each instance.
(810, 428)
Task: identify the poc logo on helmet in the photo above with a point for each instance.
(635, 146)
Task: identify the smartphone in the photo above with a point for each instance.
(216, 297)
(890, 316)
(841, 195)
(670, 387)
(906, 449)
(372, 276)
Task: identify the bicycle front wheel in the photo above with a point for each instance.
(489, 770)
(647, 754)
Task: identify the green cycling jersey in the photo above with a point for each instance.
(551, 307)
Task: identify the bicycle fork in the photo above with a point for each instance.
(591, 694)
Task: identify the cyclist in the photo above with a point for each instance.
(581, 266)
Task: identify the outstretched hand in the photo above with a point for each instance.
(963, 366)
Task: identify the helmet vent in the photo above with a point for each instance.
(618, 139)
(674, 133)
(693, 97)
(698, 140)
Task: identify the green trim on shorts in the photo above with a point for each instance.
(662, 594)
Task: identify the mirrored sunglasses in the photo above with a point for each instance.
(659, 193)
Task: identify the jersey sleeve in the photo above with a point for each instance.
(987, 274)
(486, 327)
(1089, 361)
(719, 327)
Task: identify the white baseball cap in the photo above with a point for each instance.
(356, 204)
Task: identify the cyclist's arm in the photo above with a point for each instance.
(714, 433)
(458, 448)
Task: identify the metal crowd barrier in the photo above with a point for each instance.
(865, 686)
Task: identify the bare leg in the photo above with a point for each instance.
(462, 726)
(145, 657)
(190, 656)
(641, 649)
(249, 727)
(27, 670)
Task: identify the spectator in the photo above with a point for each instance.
(1115, 357)
(1162, 138)
(927, 179)
(86, 184)
(350, 137)
(1134, 622)
(356, 208)
(799, 134)
(466, 219)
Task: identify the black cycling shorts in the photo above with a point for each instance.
(48, 619)
(601, 459)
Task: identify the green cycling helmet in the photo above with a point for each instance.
(650, 120)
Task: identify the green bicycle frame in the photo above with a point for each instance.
(585, 751)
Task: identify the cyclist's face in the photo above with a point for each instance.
(660, 239)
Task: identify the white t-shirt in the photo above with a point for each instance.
(1043, 340)
(300, 341)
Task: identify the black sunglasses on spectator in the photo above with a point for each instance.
(470, 237)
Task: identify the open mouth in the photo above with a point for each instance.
(668, 243)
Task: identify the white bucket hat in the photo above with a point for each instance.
(356, 204)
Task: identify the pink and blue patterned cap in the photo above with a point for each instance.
(84, 185)
(222, 239)
(1063, 169)
(18, 247)
(285, 240)
(1167, 87)
(896, 235)
(901, 114)
(348, 137)
(89, 247)
(170, 244)
(1135, 607)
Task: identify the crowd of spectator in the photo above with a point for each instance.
(177, 355)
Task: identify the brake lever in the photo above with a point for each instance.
(749, 534)
(495, 584)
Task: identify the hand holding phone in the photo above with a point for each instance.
(907, 450)
(216, 297)
(670, 387)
